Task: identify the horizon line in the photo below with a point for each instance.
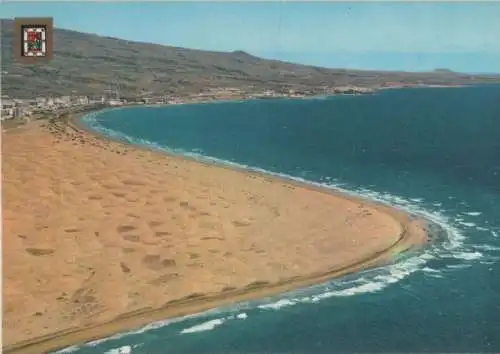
(264, 56)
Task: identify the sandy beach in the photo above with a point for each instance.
(100, 237)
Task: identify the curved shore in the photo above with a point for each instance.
(108, 264)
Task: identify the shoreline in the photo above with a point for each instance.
(412, 235)
(193, 100)
(74, 122)
(192, 305)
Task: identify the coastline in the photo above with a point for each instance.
(412, 234)
(192, 305)
(75, 123)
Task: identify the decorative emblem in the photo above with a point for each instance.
(34, 37)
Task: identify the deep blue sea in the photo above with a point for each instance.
(434, 152)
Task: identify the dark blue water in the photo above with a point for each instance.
(433, 152)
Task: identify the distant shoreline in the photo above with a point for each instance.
(13, 122)
(246, 99)
(412, 235)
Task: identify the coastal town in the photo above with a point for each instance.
(32, 109)
(38, 107)
(264, 178)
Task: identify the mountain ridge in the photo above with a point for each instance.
(88, 64)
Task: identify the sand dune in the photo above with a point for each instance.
(94, 229)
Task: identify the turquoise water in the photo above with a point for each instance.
(432, 152)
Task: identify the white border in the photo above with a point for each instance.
(218, 1)
(90, 1)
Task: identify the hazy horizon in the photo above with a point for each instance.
(388, 36)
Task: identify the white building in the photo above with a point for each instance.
(63, 100)
(83, 100)
(18, 112)
(115, 102)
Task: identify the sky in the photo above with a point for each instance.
(416, 36)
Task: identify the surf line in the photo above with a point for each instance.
(196, 304)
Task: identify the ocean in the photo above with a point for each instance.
(434, 152)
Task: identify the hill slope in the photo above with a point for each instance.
(88, 64)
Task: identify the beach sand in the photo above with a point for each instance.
(94, 230)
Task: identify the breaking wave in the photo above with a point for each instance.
(212, 324)
(205, 326)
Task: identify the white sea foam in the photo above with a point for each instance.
(205, 326)
(126, 349)
(429, 270)
(148, 327)
(96, 342)
(277, 305)
(71, 349)
(458, 266)
(370, 287)
(242, 316)
(468, 224)
(490, 262)
(473, 213)
(487, 248)
(468, 256)
(435, 275)
(211, 324)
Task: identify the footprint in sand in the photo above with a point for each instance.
(154, 262)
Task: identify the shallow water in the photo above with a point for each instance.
(432, 152)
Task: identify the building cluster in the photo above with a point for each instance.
(25, 108)
(16, 108)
